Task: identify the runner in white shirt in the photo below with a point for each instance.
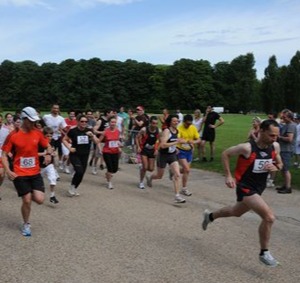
(58, 125)
(3, 134)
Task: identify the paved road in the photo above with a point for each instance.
(132, 235)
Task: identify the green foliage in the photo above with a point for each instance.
(186, 84)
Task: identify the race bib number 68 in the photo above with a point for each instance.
(27, 162)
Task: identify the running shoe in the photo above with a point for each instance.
(206, 219)
(26, 230)
(101, 167)
(94, 170)
(71, 191)
(67, 170)
(149, 181)
(54, 200)
(141, 186)
(61, 165)
(186, 192)
(109, 186)
(179, 199)
(268, 259)
(76, 193)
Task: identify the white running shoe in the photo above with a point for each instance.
(61, 165)
(71, 191)
(26, 230)
(141, 186)
(94, 170)
(76, 193)
(109, 186)
(206, 219)
(179, 199)
(67, 170)
(268, 259)
(186, 192)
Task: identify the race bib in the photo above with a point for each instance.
(172, 149)
(82, 140)
(27, 162)
(186, 146)
(113, 144)
(259, 165)
(148, 146)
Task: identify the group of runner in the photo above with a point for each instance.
(26, 149)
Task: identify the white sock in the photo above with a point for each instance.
(52, 194)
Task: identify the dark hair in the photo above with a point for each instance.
(71, 110)
(79, 116)
(8, 114)
(265, 125)
(169, 119)
(112, 117)
(47, 130)
(288, 113)
(273, 113)
(152, 118)
(188, 117)
(16, 118)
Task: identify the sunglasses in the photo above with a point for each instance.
(83, 121)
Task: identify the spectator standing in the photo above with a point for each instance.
(209, 131)
(197, 122)
(287, 139)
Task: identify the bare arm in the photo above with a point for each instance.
(240, 149)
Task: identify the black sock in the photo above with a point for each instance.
(262, 251)
(211, 218)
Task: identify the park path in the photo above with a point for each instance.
(132, 235)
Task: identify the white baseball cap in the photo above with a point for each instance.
(30, 113)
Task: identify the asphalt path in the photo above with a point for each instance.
(133, 235)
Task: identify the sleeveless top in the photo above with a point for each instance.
(250, 172)
(149, 140)
(172, 149)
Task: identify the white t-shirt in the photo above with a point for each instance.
(3, 134)
(57, 123)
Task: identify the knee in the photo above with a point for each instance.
(176, 177)
(270, 218)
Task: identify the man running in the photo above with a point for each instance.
(26, 170)
(256, 159)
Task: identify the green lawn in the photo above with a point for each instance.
(234, 131)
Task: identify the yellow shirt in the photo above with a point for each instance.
(189, 134)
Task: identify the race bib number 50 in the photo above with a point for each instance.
(27, 162)
(259, 165)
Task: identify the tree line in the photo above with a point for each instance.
(186, 84)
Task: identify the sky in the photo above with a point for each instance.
(153, 31)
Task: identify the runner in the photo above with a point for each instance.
(3, 134)
(48, 170)
(111, 149)
(26, 170)
(78, 141)
(255, 160)
(147, 146)
(168, 155)
(189, 133)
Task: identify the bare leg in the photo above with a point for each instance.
(185, 171)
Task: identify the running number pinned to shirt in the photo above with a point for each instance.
(82, 140)
(260, 165)
(113, 144)
(27, 162)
